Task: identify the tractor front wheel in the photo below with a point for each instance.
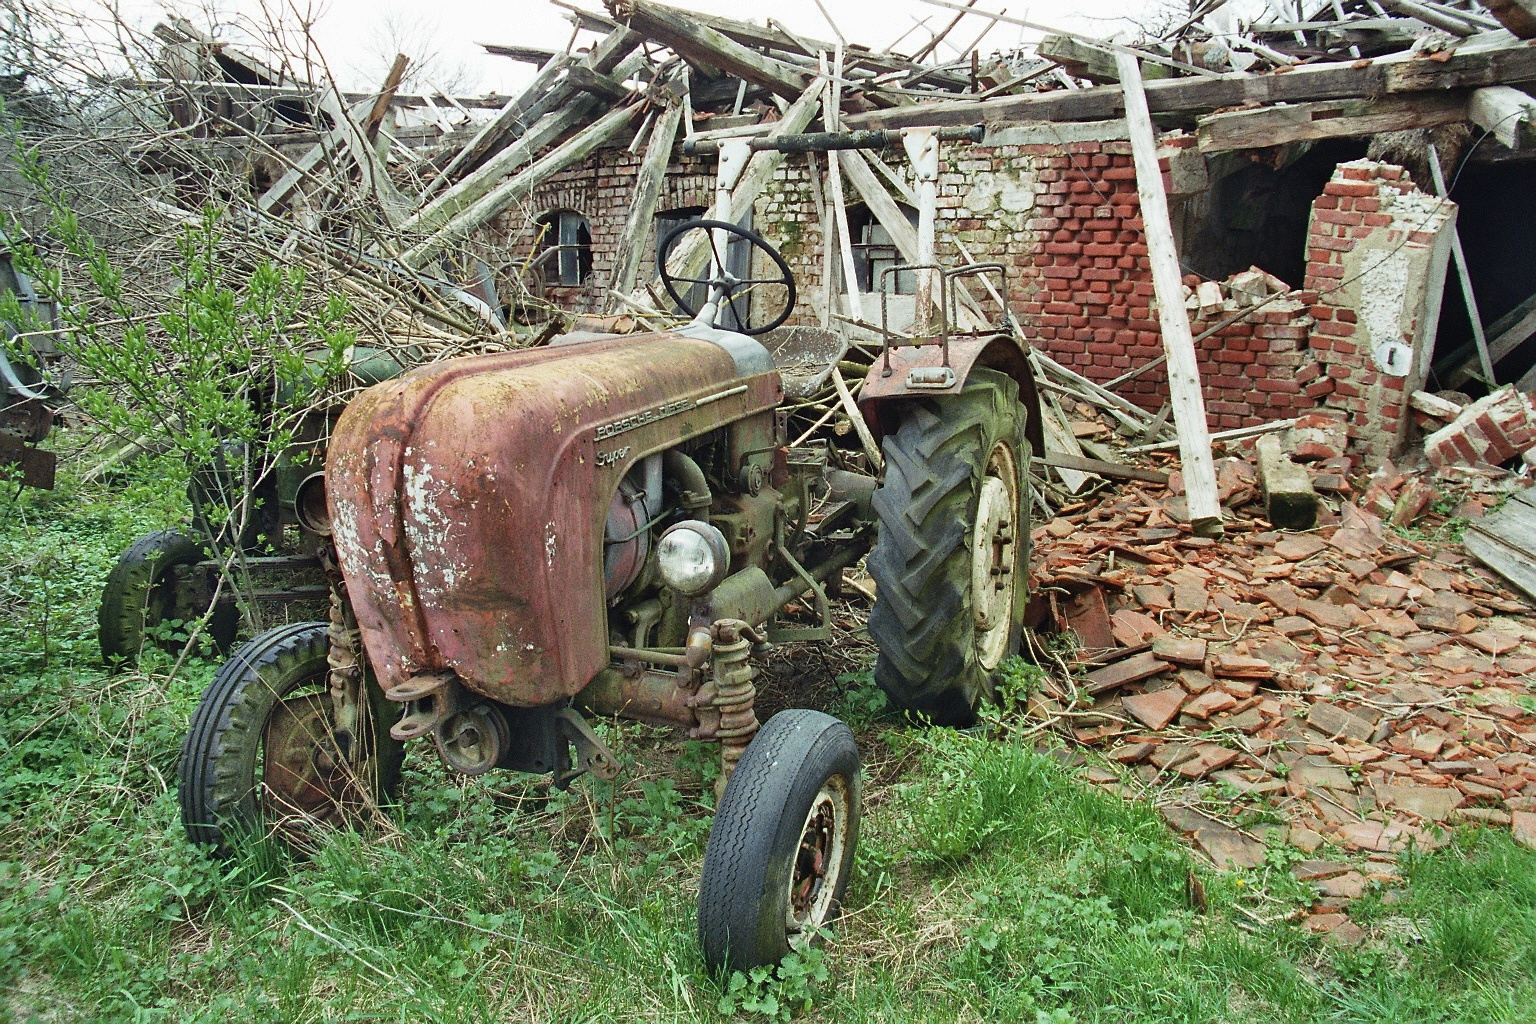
(953, 548)
(780, 851)
(261, 757)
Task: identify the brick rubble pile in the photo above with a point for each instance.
(1365, 689)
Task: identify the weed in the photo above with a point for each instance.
(778, 992)
(861, 703)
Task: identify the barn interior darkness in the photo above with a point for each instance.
(1497, 225)
(1255, 212)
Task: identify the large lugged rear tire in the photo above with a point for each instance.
(781, 848)
(953, 552)
(144, 589)
(259, 758)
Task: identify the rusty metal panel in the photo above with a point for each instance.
(963, 353)
(468, 501)
(37, 466)
(998, 352)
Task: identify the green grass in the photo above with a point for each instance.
(992, 885)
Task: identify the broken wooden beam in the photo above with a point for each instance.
(598, 85)
(577, 148)
(330, 142)
(1397, 73)
(903, 235)
(480, 182)
(1290, 502)
(1504, 335)
(1099, 467)
(1430, 16)
(524, 54)
(642, 210)
(510, 118)
(1507, 113)
(550, 90)
(1058, 436)
(1485, 358)
(1328, 119)
(1235, 434)
(494, 171)
(938, 37)
(1080, 59)
(751, 34)
(696, 41)
(1505, 540)
(386, 96)
(1183, 368)
(371, 165)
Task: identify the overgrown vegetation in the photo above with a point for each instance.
(992, 884)
(218, 369)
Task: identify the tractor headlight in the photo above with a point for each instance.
(693, 557)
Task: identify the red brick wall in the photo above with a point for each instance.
(1087, 292)
(1367, 216)
(1250, 368)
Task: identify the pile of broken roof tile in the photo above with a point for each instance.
(1365, 689)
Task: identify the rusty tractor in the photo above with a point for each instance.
(614, 525)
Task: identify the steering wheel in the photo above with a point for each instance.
(731, 284)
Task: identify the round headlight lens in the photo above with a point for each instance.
(692, 557)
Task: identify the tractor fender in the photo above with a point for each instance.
(884, 389)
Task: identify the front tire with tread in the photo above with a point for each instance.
(220, 776)
(756, 840)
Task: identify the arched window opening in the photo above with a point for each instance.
(874, 252)
(565, 247)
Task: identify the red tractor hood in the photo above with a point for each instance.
(468, 498)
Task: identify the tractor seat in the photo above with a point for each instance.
(804, 357)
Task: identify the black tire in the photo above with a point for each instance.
(221, 777)
(923, 619)
(755, 842)
(143, 590)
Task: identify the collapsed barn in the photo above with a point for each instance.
(1313, 187)
(1344, 191)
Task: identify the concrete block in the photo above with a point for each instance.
(1289, 499)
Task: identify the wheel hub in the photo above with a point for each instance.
(822, 840)
(993, 557)
(304, 777)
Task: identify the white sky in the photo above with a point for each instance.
(354, 35)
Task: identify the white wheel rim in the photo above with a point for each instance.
(993, 557)
(813, 879)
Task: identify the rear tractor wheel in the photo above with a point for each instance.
(953, 552)
(152, 584)
(262, 757)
